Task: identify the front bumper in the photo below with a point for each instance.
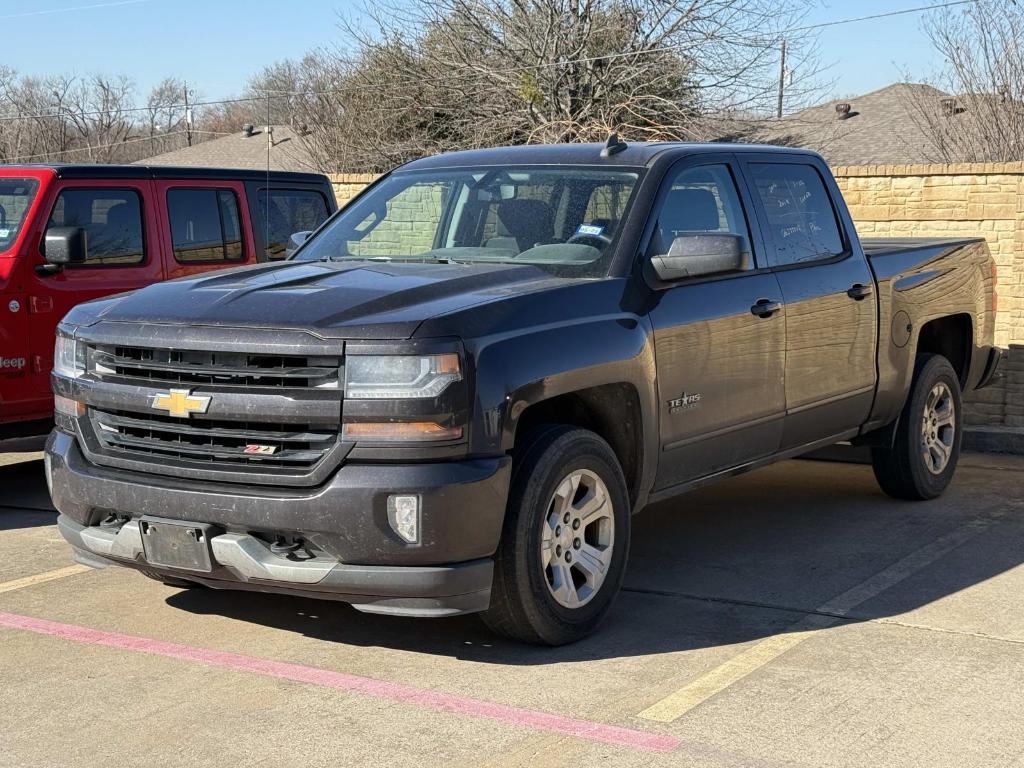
(358, 557)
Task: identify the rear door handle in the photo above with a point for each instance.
(858, 291)
(766, 307)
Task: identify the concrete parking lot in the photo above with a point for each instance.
(794, 616)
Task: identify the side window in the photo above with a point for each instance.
(801, 220)
(701, 199)
(206, 225)
(112, 220)
(287, 211)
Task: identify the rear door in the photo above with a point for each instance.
(721, 365)
(205, 225)
(121, 228)
(831, 318)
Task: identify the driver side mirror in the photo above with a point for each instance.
(700, 254)
(295, 241)
(63, 246)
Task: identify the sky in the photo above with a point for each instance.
(217, 44)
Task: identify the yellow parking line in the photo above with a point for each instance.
(691, 695)
(42, 578)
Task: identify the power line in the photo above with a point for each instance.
(62, 152)
(94, 6)
(265, 95)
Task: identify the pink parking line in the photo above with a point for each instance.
(463, 705)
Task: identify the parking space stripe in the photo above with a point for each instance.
(381, 689)
(695, 693)
(42, 578)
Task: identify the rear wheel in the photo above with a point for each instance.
(924, 455)
(563, 550)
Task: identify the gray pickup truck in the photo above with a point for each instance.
(455, 394)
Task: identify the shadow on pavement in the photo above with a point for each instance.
(24, 500)
(728, 564)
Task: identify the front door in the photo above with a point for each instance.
(123, 253)
(831, 318)
(720, 341)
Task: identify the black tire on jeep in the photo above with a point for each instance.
(924, 454)
(563, 550)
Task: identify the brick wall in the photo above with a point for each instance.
(952, 200)
(905, 201)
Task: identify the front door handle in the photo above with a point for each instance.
(766, 307)
(859, 291)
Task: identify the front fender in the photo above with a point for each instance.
(535, 364)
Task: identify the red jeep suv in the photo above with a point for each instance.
(70, 233)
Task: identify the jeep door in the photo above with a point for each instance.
(720, 339)
(123, 253)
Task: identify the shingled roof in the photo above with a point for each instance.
(238, 150)
(882, 127)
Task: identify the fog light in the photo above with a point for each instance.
(404, 517)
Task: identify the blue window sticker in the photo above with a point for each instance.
(589, 229)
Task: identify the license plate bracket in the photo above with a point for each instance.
(178, 544)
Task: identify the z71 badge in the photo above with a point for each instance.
(684, 402)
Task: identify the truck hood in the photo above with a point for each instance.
(364, 300)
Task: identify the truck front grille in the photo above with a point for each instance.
(267, 419)
(176, 367)
(227, 445)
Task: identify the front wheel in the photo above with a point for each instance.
(923, 457)
(563, 550)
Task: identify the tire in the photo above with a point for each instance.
(931, 423)
(170, 581)
(548, 585)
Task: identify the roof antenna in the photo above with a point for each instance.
(614, 145)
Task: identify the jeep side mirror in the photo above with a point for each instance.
(699, 254)
(63, 246)
(296, 240)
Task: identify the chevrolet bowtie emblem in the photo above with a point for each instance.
(179, 403)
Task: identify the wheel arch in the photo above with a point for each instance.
(612, 411)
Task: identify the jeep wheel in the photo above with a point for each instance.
(563, 550)
(924, 455)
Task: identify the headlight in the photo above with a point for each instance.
(68, 357)
(376, 377)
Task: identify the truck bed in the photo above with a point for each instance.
(883, 246)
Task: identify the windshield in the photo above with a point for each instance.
(563, 220)
(16, 196)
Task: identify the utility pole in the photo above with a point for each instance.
(782, 78)
(188, 118)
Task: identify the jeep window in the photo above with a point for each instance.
(563, 220)
(205, 225)
(287, 211)
(16, 197)
(112, 220)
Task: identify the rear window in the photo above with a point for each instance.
(112, 220)
(287, 211)
(16, 197)
(205, 225)
(801, 220)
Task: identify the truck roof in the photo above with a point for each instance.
(636, 154)
(102, 171)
